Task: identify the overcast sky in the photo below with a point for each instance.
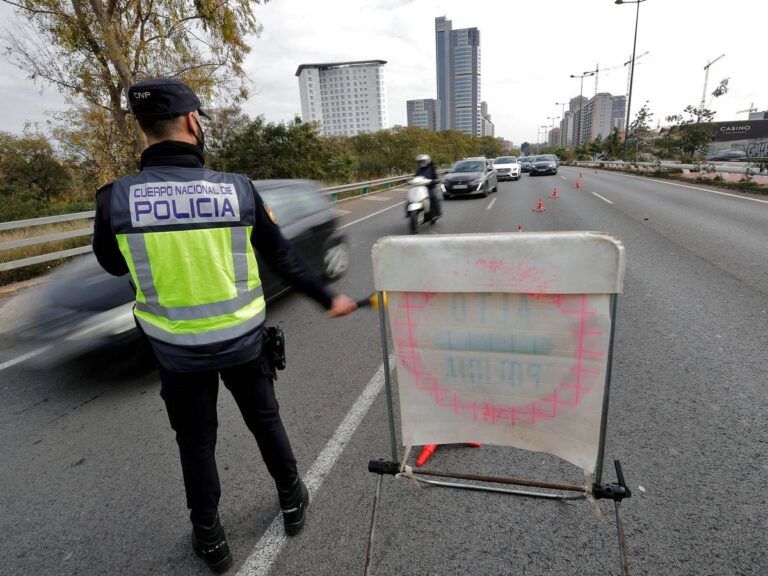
(529, 49)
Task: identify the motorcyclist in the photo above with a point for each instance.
(426, 169)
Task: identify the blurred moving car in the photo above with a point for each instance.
(470, 176)
(82, 308)
(544, 164)
(526, 163)
(727, 156)
(507, 168)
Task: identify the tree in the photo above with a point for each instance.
(691, 132)
(612, 145)
(29, 169)
(640, 127)
(94, 50)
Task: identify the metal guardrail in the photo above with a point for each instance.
(332, 192)
(705, 167)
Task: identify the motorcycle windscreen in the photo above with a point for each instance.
(504, 339)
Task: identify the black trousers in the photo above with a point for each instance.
(435, 209)
(190, 399)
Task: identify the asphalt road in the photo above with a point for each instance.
(90, 481)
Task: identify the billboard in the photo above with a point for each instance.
(739, 139)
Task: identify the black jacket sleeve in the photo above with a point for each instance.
(284, 258)
(104, 241)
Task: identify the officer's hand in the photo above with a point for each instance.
(341, 306)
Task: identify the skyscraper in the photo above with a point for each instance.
(423, 113)
(458, 78)
(344, 98)
(444, 76)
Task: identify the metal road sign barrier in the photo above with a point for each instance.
(502, 339)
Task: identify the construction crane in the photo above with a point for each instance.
(629, 72)
(748, 110)
(597, 69)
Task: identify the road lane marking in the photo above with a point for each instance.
(563, 177)
(343, 212)
(491, 204)
(268, 548)
(22, 358)
(377, 198)
(602, 198)
(696, 188)
(370, 215)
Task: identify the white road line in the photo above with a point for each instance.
(370, 215)
(268, 547)
(343, 212)
(491, 204)
(696, 188)
(602, 198)
(22, 358)
(563, 177)
(377, 198)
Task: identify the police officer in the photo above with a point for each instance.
(187, 236)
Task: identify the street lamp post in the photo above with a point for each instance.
(577, 128)
(543, 134)
(631, 71)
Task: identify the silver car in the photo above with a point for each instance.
(471, 176)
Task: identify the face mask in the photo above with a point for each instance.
(201, 136)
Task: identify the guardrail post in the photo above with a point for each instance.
(366, 190)
(334, 197)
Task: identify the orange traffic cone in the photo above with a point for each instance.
(474, 444)
(540, 206)
(578, 185)
(554, 192)
(426, 454)
(580, 175)
(519, 227)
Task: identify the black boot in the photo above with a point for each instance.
(294, 503)
(210, 544)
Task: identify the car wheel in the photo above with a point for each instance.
(485, 190)
(336, 260)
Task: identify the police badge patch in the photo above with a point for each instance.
(270, 213)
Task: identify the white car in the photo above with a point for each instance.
(507, 168)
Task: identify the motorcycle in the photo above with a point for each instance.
(417, 202)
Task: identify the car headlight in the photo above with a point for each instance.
(476, 181)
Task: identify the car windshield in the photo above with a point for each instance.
(505, 160)
(468, 167)
(545, 158)
(525, 159)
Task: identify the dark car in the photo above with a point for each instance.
(82, 308)
(727, 156)
(526, 163)
(544, 164)
(470, 176)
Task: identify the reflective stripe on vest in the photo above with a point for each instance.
(197, 283)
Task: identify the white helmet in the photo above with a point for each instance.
(423, 159)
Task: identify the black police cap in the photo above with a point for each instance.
(162, 98)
